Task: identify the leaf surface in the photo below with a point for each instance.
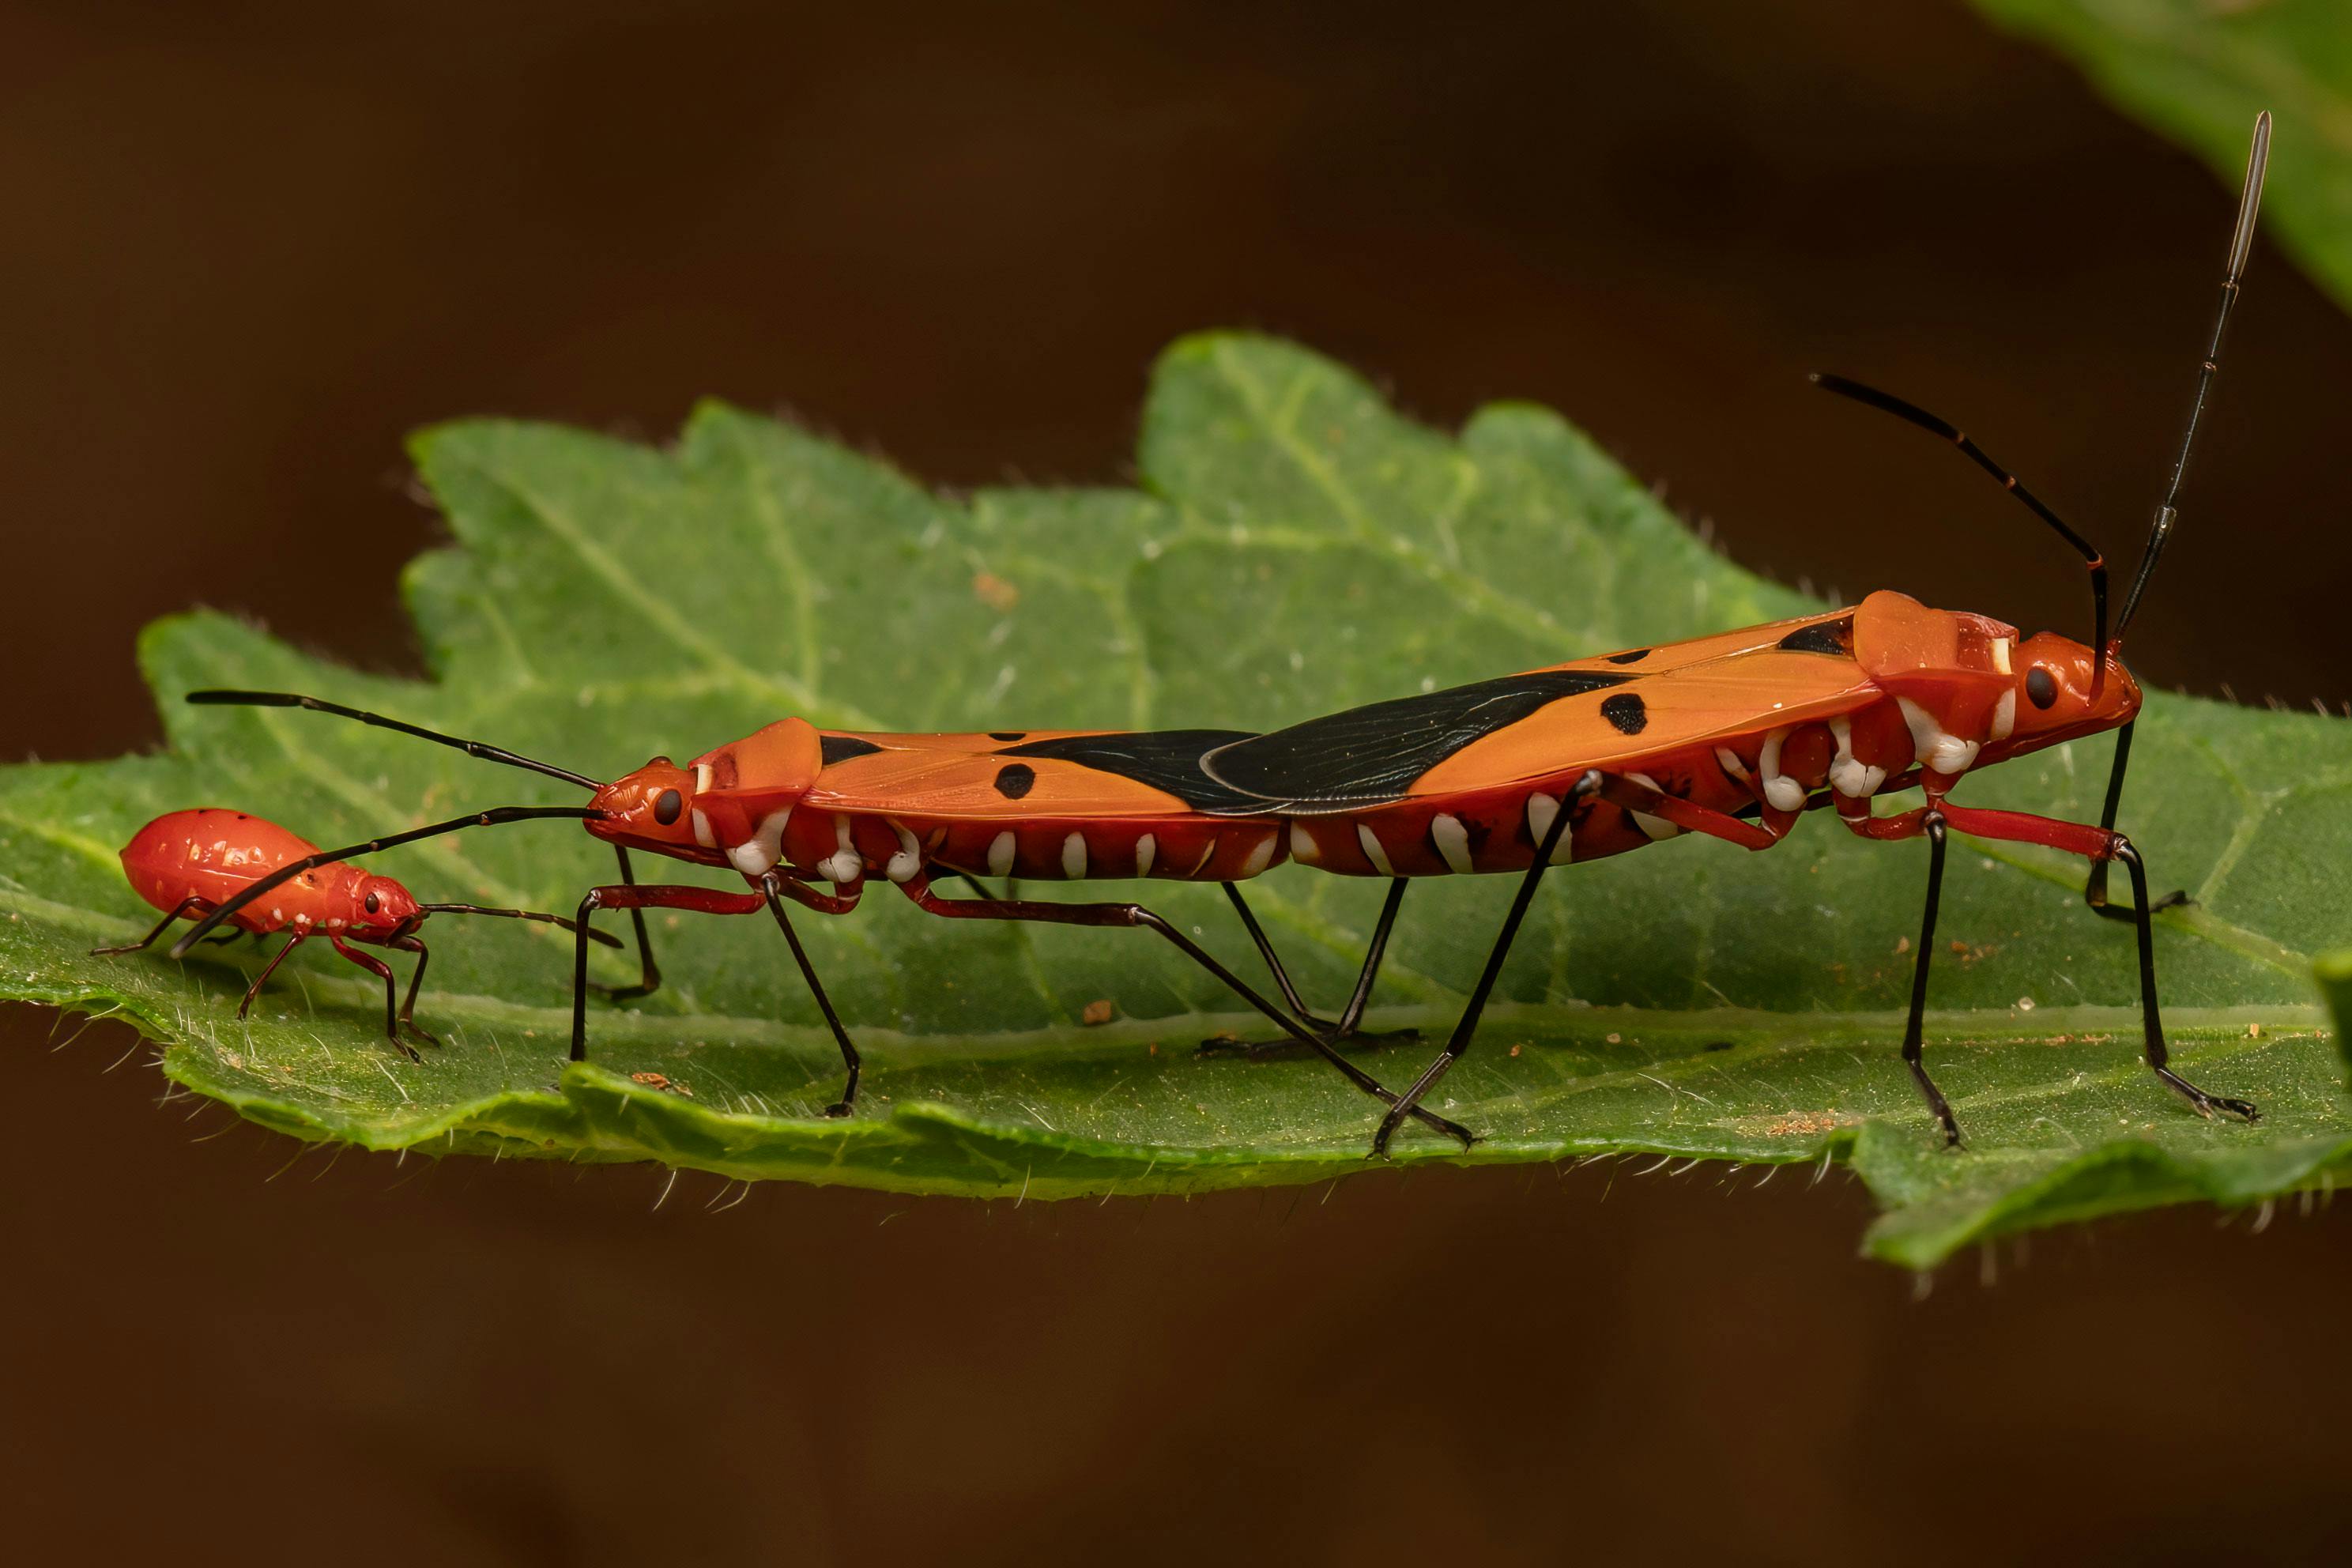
(1297, 547)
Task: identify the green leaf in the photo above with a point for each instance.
(2199, 71)
(1299, 547)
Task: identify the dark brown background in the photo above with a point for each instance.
(244, 252)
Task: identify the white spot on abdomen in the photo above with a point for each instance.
(1452, 841)
(1936, 746)
(1372, 850)
(1542, 809)
(1848, 776)
(1303, 848)
(1000, 854)
(1260, 857)
(1074, 856)
(1781, 792)
(907, 860)
(756, 855)
(1147, 849)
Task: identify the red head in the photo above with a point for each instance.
(721, 800)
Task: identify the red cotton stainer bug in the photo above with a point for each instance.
(1734, 736)
(193, 864)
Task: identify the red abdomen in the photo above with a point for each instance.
(214, 854)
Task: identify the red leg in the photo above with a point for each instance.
(1692, 817)
(2099, 844)
(415, 979)
(267, 970)
(920, 890)
(382, 970)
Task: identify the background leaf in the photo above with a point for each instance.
(1298, 547)
(2198, 70)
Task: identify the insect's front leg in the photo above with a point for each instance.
(649, 972)
(2096, 844)
(416, 944)
(629, 895)
(2094, 886)
(382, 970)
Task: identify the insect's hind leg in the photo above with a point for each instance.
(1915, 1026)
(2094, 886)
(1340, 1032)
(186, 907)
(920, 890)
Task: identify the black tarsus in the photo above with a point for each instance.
(2151, 1021)
(1911, 412)
(160, 928)
(1344, 1027)
(1914, 1026)
(2241, 244)
(222, 698)
(1409, 1102)
(294, 868)
(849, 1057)
(1135, 915)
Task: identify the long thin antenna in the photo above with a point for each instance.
(482, 749)
(1887, 402)
(2241, 243)
(564, 920)
(286, 873)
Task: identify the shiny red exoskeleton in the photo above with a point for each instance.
(190, 863)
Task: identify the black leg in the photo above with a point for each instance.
(408, 1005)
(1459, 1041)
(187, 906)
(2151, 1022)
(849, 1059)
(629, 895)
(267, 970)
(2094, 888)
(1913, 1051)
(649, 975)
(1134, 915)
(1345, 1027)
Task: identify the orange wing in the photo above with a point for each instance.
(1089, 774)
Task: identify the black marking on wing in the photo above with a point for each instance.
(1824, 636)
(841, 748)
(1627, 711)
(1374, 754)
(1014, 779)
(1167, 760)
(1634, 656)
(1007, 734)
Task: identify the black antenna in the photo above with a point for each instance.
(1911, 411)
(482, 749)
(564, 920)
(286, 873)
(2241, 243)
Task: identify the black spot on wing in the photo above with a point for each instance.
(1374, 754)
(1634, 656)
(1006, 734)
(1167, 760)
(841, 748)
(1014, 779)
(1627, 711)
(1822, 637)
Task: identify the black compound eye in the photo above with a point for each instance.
(670, 803)
(373, 903)
(2040, 687)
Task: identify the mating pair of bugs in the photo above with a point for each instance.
(1734, 736)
